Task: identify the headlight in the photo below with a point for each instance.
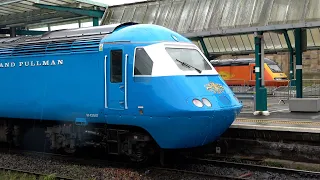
(197, 102)
(206, 102)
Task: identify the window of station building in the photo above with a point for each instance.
(116, 66)
(143, 63)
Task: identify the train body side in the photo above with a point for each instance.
(52, 87)
(235, 75)
(101, 87)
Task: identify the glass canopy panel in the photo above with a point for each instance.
(214, 44)
(233, 43)
(210, 13)
(220, 44)
(199, 45)
(310, 41)
(208, 45)
(313, 11)
(239, 43)
(128, 14)
(282, 41)
(139, 14)
(291, 37)
(229, 13)
(116, 15)
(163, 11)
(246, 42)
(151, 13)
(275, 40)
(244, 13)
(173, 17)
(186, 16)
(216, 15)
(268, 41)
(226, 43)
(261, 12)
(196, 43)
(200, 14)
(279, 12)
(251, 40)
(295, 11)
(316, 36)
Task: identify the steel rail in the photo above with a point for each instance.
(33, 173)
(196, 173)
(69, 158)
(255, 167)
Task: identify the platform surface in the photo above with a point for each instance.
(280, 119)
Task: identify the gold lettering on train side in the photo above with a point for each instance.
(31, 63)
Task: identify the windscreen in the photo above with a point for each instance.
(188, 59)
(275, 68)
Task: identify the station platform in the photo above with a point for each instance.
(282, 120)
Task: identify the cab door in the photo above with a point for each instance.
(116, 62)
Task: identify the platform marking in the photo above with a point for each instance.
(277, 121)
(280, 110)
(277, 128)
(315, 117)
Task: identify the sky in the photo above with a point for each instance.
(117, 2)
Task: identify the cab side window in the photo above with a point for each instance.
(143, 63)
(116, 66)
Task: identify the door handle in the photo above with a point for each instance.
(122, 86)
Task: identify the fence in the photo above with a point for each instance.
(276, 94)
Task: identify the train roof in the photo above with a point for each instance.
(234, 62)
(60, 41)
(96, 32)
(86, 39)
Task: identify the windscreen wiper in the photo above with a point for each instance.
(188, 65)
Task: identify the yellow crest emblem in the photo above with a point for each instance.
(216, 88)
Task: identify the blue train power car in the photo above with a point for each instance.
(127, 87)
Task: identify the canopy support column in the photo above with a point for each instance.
(291, 64)
(204, 47)
(13, 32)
(261, 91)
(298, 46)
(95, 21)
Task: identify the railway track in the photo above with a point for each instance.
(203, 174)
(255, 167)
(35, 174)
(183, 166)
(62, 159)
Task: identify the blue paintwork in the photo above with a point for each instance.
(174, 116)
(70, 91)
(144, 33)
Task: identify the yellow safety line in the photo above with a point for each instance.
(277, 121)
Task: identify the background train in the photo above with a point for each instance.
(241, 72)
(129, 88)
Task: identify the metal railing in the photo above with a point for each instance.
(276, 94)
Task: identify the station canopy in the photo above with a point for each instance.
(23, 13)
(227, 26)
